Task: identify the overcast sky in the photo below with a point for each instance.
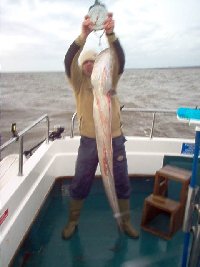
(35, 34)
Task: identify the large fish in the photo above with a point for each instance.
(101, 79)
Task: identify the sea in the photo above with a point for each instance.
(27, 96)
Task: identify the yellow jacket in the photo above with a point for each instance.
(82, 87)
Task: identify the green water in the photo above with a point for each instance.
(97, 242)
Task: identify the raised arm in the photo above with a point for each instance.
(114, 43)
(72, 68)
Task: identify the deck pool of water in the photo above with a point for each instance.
(97, 242)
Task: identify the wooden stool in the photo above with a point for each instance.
(158, 203)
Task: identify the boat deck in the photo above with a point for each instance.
(97, 241)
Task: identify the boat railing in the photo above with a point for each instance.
(20, 137)
(154, 112)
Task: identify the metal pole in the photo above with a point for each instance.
(152, 126)
(190, 200)
(72, 125)
(194, 260)
(21, 150)
(47, 139)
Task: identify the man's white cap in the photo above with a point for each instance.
(87, 55)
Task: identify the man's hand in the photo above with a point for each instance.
(87, 27)
(109, 24)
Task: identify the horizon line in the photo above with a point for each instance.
(127, 68)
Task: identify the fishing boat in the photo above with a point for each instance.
(34, 204)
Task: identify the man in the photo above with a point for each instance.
(78, 68)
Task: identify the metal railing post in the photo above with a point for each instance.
(21, 150)
(72, 125)
(47, 138)
(152, 125)
(20, 136)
